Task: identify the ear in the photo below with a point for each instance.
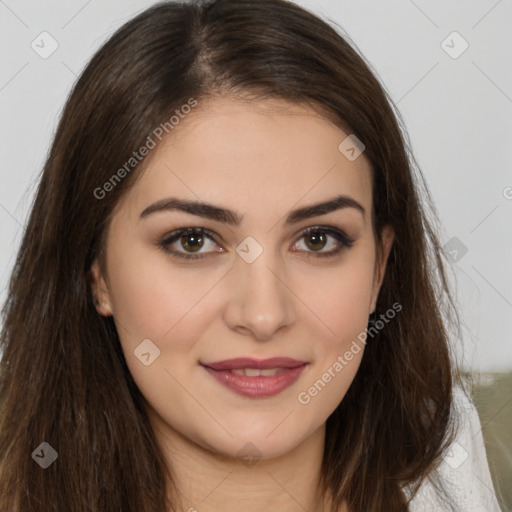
(99, 290)
(388, 237)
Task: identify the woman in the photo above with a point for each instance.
(229, 294)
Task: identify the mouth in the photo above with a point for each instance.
(255, 378)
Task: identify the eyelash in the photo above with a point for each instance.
(344, 241)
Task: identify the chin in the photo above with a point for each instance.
(260, 440)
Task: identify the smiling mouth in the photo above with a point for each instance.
(256, 378)
(254, 372)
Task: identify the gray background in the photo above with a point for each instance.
(458, 113)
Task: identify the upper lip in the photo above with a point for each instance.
(259, 364)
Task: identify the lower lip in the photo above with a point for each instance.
(257, 387)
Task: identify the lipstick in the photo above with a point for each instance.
(256, 378)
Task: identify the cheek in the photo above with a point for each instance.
(340, 300)
(336, 365)
(154, 298)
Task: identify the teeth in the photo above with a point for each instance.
(269, 372)
(253, 372)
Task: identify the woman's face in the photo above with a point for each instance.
(256, 286)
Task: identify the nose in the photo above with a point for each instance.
(262, 302)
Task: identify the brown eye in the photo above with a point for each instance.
(186, 243)
(315, 240)
(192, 241)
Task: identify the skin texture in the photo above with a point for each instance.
(261, 160)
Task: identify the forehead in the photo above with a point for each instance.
(260, 156)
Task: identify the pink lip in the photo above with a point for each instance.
(260, 386)
(259, 364)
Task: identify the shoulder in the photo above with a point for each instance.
(464, 472)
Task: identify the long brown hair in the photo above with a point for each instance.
(63, 376)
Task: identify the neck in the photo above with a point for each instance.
(205, 481)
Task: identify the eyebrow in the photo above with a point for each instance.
(217, 213)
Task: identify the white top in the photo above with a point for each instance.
(464, 471)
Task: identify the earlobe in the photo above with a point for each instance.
(99, 290)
